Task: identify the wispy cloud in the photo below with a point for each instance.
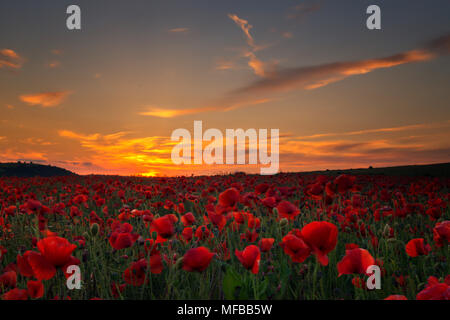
(170, 113)
(379, 130)
(258, 66)
(45, 99)
(10, 59)
(245, 27)
(225, 64)
(287, 35)
(219, 106)
(54, 64)
(179, 30)
(301, 10)
(408, 144)
(37, 142)
(313, 77)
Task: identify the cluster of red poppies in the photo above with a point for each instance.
(150, 231)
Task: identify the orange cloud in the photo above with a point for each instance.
(148, 155)
(54, 64)
(313, 77)
(245, 27)
(259, 67)
(170, 113)
(179, 30)
(254, 63)
(380, 130)
(45, 99)
(410, 144)
(220, 106)
(10, 59)
(223, 64)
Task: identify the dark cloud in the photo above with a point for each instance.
(301, 10)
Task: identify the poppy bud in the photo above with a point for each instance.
(95, 229)
(283, 222)
(154, 235)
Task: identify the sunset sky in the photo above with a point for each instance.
(106, 99)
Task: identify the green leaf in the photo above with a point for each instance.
(232, 283)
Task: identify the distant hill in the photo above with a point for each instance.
(427, 170)
(23, 169)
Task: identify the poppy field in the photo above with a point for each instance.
(288, 236)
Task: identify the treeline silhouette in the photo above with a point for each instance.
(30, 169)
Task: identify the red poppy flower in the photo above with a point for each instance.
(434, 290)
(187, 234)
(122, 237)
(164, 226)
(261, 188)
(15, 294)
(350, 246)
(11, 211)
(441, 233)
(203, 233)
(135, 274)
(265, 244)
(250, 258)
(287, 210)
(8, 279)
(35, 289)
(33, 205)
(229, 198)
(34, 264)
(197, 259)
(355, 261)
(249, 235)
(188, 219)
(295, 247)
(23, 265)
(434, 213)
(217, 220)
(116, 289)
(416, 247)
(344, 182)
(269, 202)
(396, 297)
(56, 250)
(321, 237)
(156, 265)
